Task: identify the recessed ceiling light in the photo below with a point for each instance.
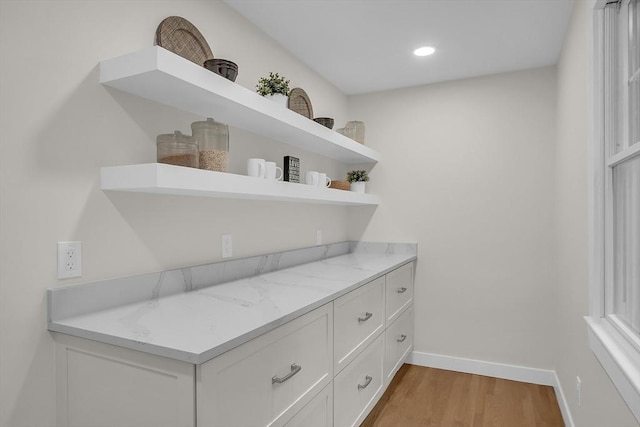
(424, 51)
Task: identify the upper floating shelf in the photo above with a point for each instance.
(162, 76)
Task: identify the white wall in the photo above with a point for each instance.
(467, 171)
(471, 171)
(601, 403)
(59, 125)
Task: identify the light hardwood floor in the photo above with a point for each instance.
(427, 397)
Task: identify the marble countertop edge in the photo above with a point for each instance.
(178, 352)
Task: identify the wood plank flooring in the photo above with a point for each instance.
(427, 397)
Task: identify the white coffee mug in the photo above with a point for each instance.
(256, 168)
(271, 171)
(323, 180)
(311, 178)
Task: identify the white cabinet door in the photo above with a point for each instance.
(99, 385)
(359, 386)
(399, 291)
(398, 344)
(317, 413)
(267, 380)
(359, 319)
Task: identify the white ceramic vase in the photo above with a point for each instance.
(278, 98)
(358, 187)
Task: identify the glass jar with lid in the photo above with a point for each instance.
(213, 143)
(177, 149)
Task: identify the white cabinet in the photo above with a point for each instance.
(100, 385)
(278, 373)
(399, 291)
(317, 413)
(359, 386)
(398, 343)
(359, 319)
(326, 368)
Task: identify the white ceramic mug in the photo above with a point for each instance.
(311, 178)
(323, 180)
(271, 171)
(256, 168)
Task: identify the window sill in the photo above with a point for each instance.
(619, 359)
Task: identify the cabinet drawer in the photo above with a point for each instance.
(317, 413)
(399, 291)
(359, 386)
(267, 380)
(398, 343)
(359, 318)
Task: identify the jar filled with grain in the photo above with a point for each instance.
(213, 143)
(177, 149)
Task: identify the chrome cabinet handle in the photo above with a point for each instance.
(294, 370)
(402, 338)
(366, 383)
(366, 317)
(402, 290)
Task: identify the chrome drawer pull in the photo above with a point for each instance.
(366, 383)
(294, 370)
(402, 338)
(402, 290)
(366, 317)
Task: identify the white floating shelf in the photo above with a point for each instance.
(162, 76)
(159, 178)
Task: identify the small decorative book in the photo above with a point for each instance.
(291, 169)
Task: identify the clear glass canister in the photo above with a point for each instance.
(177, 149)
(213, 142)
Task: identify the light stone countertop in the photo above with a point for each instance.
(198, 325)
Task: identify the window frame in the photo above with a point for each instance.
(617, 350)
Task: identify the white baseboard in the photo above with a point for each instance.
(496, 370)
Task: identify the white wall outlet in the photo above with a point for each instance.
(579, 391)
(69, 260)
(227, 246)
(318, 237)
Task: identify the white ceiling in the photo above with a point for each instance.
(366, 45)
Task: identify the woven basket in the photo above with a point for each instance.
(341, 185)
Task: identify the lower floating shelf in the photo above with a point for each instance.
(159, 178)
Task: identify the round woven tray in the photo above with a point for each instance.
(300, 103)
(181, 37)
(341, 185)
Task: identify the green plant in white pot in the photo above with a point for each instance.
(358, 178)
(274, 87)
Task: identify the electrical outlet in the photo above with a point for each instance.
(318, 237)
(69, 260)
(227, 245)
(579, 391)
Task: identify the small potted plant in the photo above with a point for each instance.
(274, 87)
(358, 178)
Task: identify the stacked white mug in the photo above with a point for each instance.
(259, 168)
(318, 179)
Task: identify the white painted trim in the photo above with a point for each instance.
(496, 370)
(618, 358)
(626, 154)
(562, 402)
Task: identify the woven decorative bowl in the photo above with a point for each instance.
(223, 67)
(325, 121)
(341, 185)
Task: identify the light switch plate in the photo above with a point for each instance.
(227, 246)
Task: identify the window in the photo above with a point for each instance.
(615, 313)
